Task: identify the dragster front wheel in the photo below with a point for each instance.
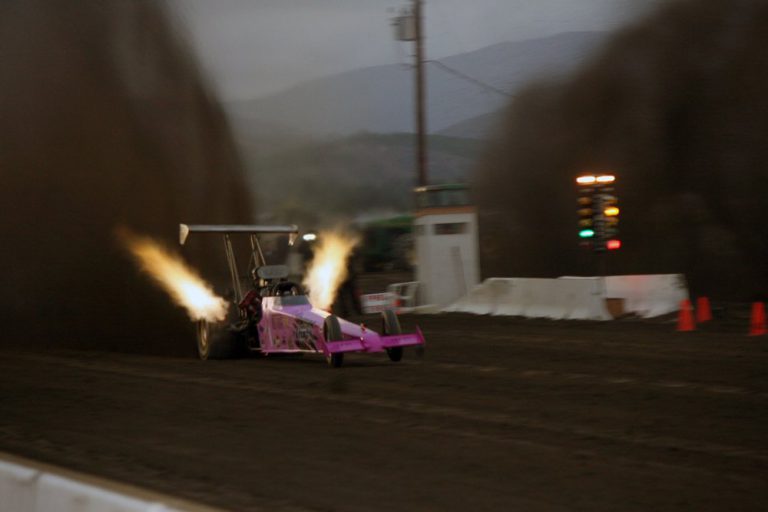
(332, 331)
(391, 325)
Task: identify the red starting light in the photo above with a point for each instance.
(613, 244)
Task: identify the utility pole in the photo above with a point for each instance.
(421, 120)
(409, 26)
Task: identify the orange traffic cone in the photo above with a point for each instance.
(685, 318)
(703, 311)
(757, 323)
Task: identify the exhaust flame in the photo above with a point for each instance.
(182, 283)
(328, 268)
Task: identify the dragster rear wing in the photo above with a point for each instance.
(292, 230)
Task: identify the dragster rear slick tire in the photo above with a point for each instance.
(213, 342)
(332, 332)
(391, 325)
(203, 335)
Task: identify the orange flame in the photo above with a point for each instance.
(328, 268)
(182, 283)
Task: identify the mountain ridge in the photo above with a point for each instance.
(380, 98)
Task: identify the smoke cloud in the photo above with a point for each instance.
(675, 106)
(106, 121)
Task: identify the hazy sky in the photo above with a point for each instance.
(255, 47)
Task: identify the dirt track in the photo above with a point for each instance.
(501, 414)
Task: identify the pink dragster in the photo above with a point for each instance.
(274, 316)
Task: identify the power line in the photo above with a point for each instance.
(468, 78)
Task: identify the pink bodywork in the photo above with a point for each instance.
(299, 328)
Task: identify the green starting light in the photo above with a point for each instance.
(586, 233)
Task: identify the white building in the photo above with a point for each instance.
(446, 240)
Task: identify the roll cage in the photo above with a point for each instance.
(256, 259)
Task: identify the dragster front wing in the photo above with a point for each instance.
(372, 342)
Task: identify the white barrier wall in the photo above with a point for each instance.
(574, 298)
(648, 295)
(32, 487)
(64, 495)
(559, 299)
(448, 262)
(482, 299)
(18, 488)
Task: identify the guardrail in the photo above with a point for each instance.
(403, 297)
(406, 294)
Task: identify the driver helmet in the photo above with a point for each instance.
(255, 277)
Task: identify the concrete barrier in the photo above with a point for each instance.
(28, 486)
(481, 299)
(648, 295)
(574, 298)
(65, 495)
(563, 298)
(18, 487)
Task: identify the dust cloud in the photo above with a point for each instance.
(106, 122)
(676, 107)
